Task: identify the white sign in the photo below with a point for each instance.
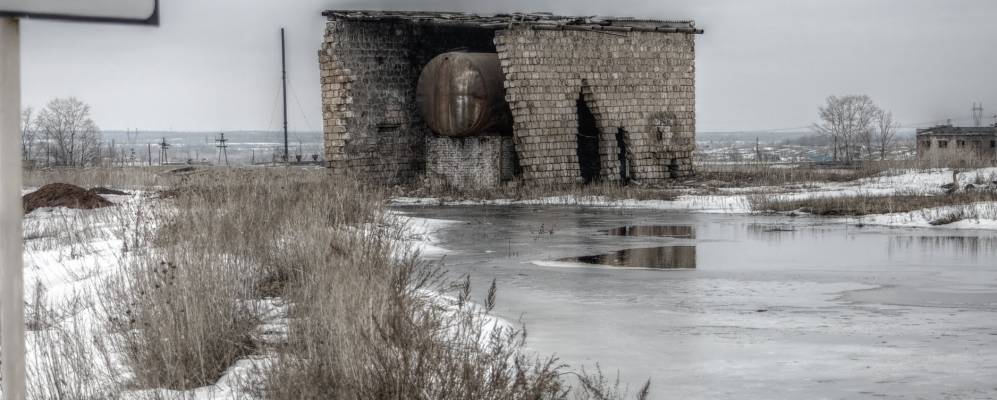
(115, 11)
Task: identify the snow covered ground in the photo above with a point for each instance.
(68, 256)
(737, 200)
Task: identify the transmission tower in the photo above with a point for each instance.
(163, 154)
(222, 149)
(978, 114)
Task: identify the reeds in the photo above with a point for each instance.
(365, 318)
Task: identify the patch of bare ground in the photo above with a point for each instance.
(108, 191)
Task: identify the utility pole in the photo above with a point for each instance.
(222, 149)
(283, 75)
(150, 154)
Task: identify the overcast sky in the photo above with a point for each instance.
(213, 65)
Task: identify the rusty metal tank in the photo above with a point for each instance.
(461, 94)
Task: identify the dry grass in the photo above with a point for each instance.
(518, 190)
(856, 205)
(118, 178)
(707, 179)
(363, 318)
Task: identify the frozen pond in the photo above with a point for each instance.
(738, 307)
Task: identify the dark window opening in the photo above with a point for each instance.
(993, 143)
(960, 143)
(927, 144)
(621, 144)
(588, 143)
(943, 144)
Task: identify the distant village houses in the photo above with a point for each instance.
(956, 145)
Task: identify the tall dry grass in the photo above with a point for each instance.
(364, 314)
(132, 178)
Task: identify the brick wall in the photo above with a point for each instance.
(639, 86)
(369, 72)
(639, 83)
(476, 162)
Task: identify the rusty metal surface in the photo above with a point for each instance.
(461, 94)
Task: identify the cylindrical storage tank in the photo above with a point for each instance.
(461, 94)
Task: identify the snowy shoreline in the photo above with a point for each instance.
(982, 215)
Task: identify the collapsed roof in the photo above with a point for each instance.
(511, 20)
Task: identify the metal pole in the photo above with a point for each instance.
(11, 214)
(283, 77)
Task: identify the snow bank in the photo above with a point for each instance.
(982, 215)
(701, 203)
(420, 234)
(737, 200)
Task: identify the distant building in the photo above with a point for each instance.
(957, 145)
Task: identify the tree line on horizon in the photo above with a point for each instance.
(62, 134)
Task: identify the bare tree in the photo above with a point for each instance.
(886, 132)
(29, 132)
(74, 137)
(848, 121)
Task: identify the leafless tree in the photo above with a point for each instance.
(29, 132)
(886, 132)
(848, 121)
(74, 137)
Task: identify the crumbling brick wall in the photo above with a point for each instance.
(476, 162)
(369, 72)
(637, 84)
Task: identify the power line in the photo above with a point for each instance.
(300, 108)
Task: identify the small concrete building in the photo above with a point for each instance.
(474, 100)
(954, 145)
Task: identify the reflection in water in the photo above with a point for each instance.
(972, 245)
(768, 228)
(675, 231)
(666, 257)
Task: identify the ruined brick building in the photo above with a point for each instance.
(956, 145)
(475, 100)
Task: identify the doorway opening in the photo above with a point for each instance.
(621, 144)
(588, 143)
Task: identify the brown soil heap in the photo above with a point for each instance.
(63, 195)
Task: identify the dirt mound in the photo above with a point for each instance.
(63, 195)
(183, 170)
(104, 190)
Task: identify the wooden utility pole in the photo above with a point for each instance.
(283, 77)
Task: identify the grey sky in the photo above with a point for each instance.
(214, 64)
